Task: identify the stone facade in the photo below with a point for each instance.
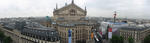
(137, 33)
(69, 12)
(72, 17)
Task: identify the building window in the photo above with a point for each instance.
(72, 11)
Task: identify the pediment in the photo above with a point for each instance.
(70, 7)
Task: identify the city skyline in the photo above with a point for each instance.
(104, 8)
(74, 21)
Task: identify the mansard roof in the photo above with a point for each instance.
(72, 5)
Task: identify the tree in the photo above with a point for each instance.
(7, 40)
(2, 35)
(147, 39)
(121, 39)
(117, 39)
(130, 40)
(4, 38)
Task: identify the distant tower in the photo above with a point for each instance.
(115, 17)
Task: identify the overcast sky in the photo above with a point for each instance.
(104, 8)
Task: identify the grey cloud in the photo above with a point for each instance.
(105, 8)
